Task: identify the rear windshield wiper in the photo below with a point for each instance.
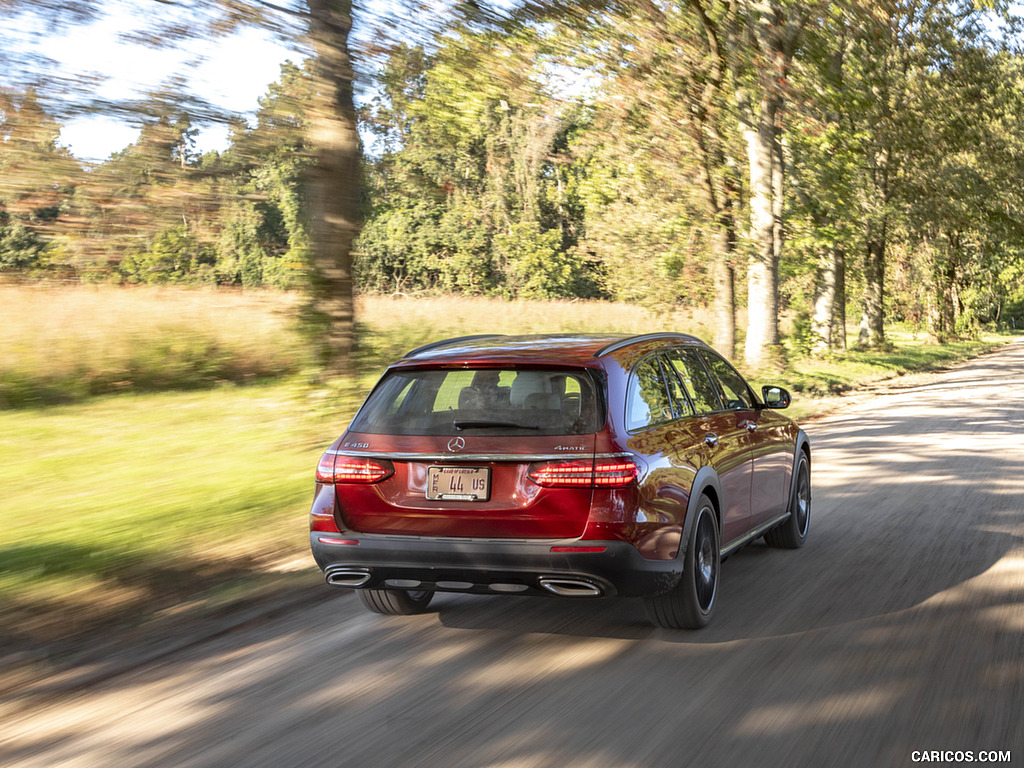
(470, 424)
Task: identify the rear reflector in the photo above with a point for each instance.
(334, 469)
(331, 540)
(585, 473)
(578, 549)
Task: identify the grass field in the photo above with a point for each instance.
(60, 345)
(125, 506)
(64, 345)
(129, 504)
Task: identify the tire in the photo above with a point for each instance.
(395, 602)
(792, 532)
(691, 604)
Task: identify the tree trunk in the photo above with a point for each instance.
(718, 197)
(823, 319)
(943, 318)
(952, 287)
(828, 322)
(839, 306)
(778, 190)
(872, 329)
(334, 181)
(724, 310)
(763, 289)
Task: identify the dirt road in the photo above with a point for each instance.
(898, 629)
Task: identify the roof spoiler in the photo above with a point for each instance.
(448, 342)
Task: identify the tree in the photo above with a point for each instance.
(762, 41)
(474, 188)
(320, 26)
(37, 178)
(823, 151)
(910, 49)
(665, 84)
(960, 203)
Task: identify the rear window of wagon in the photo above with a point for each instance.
(481, 401)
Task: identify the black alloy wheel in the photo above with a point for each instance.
(691, 604)
(792, 532)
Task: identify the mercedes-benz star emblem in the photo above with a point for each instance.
(456, 444)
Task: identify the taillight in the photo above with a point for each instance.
(334, 469)
(587, 473)
(615, 473)
(562, 474)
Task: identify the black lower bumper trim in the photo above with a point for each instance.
(493, 566)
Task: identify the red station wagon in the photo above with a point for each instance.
(568, 465)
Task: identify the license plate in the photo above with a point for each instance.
(458, 483)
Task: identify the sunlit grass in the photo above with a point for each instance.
(392, 327)
(842, 371)
(65, 344)
(128, 502)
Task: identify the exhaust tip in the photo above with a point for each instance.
(347, 577)
(568, 587)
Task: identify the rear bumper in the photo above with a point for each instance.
(490, 566)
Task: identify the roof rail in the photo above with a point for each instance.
(447, 342)
(606, 350)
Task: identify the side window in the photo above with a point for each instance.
(737, 394)
(696, 380)
(647, 402)
(680, 402)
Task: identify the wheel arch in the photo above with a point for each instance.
(705, 482)
(803, 445)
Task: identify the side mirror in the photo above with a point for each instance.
(776, 397)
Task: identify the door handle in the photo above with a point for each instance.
(711, 439)
(751, 426)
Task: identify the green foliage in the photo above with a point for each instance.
(174, 256)
(461, 256)
(395, 248)
(534, 264)
(487, 175)
(21, 249)
(802, 339)
(36, 180)
(472, 190)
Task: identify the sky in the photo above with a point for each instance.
(235, 73)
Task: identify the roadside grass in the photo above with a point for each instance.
(124, 507)
(66, 344)
(61, 345)
(815, 383)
